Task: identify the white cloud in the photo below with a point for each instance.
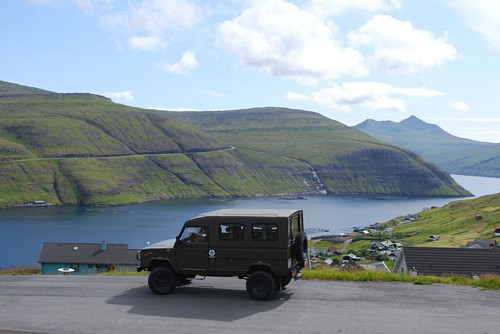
(370, 95)
(187, 64)
(147, 43)
(153, 19)
(325, 8)
(415, 92)
(460, 105)
(124, 96)
(296, 96)
(281, 39)
(482, 16)
(399, 47)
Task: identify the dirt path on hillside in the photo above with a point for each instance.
(346, 244)
(122, 155)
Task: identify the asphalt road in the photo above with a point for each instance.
(117, 304)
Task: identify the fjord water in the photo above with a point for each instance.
(24, 230)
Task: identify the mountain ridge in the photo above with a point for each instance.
(84, 149)
(454, 154)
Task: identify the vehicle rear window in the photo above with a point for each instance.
(294, 228)
(231, 231)
(265, 232)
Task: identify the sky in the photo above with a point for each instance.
(349, 60)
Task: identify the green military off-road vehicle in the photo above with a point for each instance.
(266, 247)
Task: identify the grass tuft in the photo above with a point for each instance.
(490, 282)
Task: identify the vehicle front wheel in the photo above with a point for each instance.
(162, 281)
(261, 285)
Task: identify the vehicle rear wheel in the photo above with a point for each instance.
(285, 280)
(261, 285)
(162, 281)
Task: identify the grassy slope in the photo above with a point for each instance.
(346, 160)
(89, 125)
(36, 124)
(454, 154)
(134, 179)
(9, 88)
(455, 223)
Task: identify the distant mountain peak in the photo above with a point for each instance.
(416, 123)
(364, 124)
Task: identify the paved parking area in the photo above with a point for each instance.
(117, 304)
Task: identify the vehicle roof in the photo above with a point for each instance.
(283, 213)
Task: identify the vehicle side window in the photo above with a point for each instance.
(265, 232)
(231, 231)
(195, 234)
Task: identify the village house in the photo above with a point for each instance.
(409, 218)
(313, 251)
(333, 251)
(481, 243)
(86, 258)
(385, 247)
(376, 226)
(393, 256)
(350, 257)
(447, 261)
(376, 266)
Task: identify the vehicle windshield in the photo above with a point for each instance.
(195, 234)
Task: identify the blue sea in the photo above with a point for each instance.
(24, 230)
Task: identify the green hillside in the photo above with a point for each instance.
(455, 223)
(454, 154)
(9, 88)
(85, 149)
(346, 161)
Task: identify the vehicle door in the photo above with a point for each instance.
(192, 249)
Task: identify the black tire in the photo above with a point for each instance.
(285, 280)
(162, 281)
(261, 285)
(300, 247)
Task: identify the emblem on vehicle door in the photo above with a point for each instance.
(211, 253)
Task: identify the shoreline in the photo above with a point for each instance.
(360, 195)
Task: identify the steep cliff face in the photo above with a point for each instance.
(386, 172)
(85, 149)
(118, 180)
(346, 160)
